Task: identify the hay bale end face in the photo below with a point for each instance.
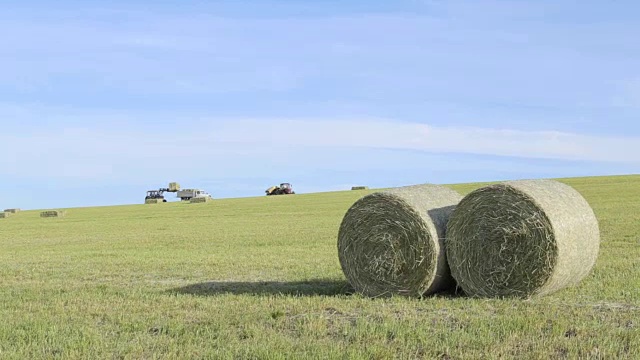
(12, 211)
(522, 239)
(360, 188)
(53, 213)
(174, 186)
(200, 200)
(391, 242)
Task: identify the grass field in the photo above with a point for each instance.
(260, 278)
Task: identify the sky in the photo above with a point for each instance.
(102, 101)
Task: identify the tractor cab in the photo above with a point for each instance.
(285, 188)
(154, 194)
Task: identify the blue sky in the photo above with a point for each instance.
(101, 101)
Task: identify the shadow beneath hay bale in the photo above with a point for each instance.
(440, 216)
(453, 293)
(314, 287)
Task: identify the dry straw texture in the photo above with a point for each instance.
(13, 211)
(199, 200)
(522, 239)
(391, 242)
(174, 186)
(360, 188)
(53, 213)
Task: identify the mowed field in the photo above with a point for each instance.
(259, 278)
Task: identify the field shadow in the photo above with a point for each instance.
(315, 287)
(452, 293)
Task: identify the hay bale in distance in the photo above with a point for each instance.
(200, 200)
(53, 213)
(391, 242)
(12, 211)
(4, 215)
(360, 188)
(174, 186)
(153, 201)
(523, 238)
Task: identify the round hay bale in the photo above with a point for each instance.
(523, 238)
(391, 242)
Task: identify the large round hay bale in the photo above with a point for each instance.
(391, 242)
(523, 238)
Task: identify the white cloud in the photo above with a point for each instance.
(250, 146)
(416, 136)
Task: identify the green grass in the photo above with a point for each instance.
(260, 278)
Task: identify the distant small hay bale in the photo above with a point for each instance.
(12, 211)
(522, 239)
(4, 215)
(391, 242)
(200, 200)
(53, 213)
(153, 201)
(360, 188)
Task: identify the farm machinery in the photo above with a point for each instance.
(154, 196)
(282, 189)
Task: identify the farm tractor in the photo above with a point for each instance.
(159, 194)
(155, 194)
(283, 189)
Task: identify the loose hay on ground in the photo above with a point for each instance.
(53, 213)
(522, 239)
(391, 242)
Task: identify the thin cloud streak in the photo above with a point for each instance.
(87, 152)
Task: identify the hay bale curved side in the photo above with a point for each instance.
(391, 242)
(523, 238)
